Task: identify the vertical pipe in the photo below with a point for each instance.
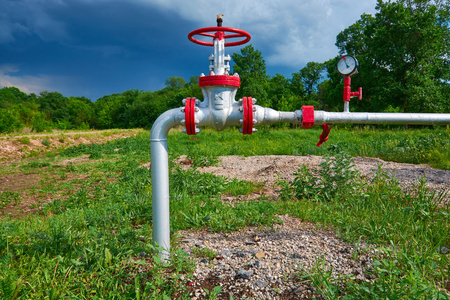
(160, 194)
(160, 178)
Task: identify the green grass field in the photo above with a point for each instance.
(89, 235)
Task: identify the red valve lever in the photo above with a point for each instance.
(325, 133)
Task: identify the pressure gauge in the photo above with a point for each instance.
(347, 65)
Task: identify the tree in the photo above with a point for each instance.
(54, 105)
(81, 112)
(251, 67)
(404, 53)
(175, 82)
(310, 76)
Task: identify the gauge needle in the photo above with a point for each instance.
(343, 57)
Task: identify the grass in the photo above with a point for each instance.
(93, 240)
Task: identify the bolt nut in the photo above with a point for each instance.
(241, 109)
(254, 130)
(241, 121)
(183, 101)
(196, 109)
(254, 101)
(183, 121)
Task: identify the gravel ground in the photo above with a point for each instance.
(265, 264)
(259, 263)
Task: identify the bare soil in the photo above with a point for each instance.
(22, 146)
(31, 186)
(271, 168)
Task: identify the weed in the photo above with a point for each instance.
(204, 252)
(212, 295)
(9, 197)
(336, 179)
(46, 142)
(24, 140)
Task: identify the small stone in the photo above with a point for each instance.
(188, 241)
(260, 255)
(250, 243)
(244, 274)
(261, 284)
(204, 261)
(254, 264)
(199, 245)
(241, 254)
(297, 256)
(225, 253)
(442, 250)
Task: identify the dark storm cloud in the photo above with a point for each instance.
(97, 47)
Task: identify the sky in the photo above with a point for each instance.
(93, 48)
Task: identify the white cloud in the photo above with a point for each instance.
(27, 83)
(293, 32)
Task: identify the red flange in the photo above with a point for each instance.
(220, 34)
(248, 115)
(308, 117)
(219, 80)
(189, 115)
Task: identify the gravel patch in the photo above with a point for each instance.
(266, 263)
(260, 263)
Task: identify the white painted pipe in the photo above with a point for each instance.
(323, 117)
(223, 114)
(160, 178)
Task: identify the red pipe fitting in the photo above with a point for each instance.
(307, 117)
(248, 115)
(189, 115)
(348, 94)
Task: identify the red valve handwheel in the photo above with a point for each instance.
(204, 32)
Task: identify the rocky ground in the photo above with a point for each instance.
(258, 263)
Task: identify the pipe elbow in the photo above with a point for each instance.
(164, 123)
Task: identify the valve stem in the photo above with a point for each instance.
(219, 20)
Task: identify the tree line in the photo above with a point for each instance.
(404, 56)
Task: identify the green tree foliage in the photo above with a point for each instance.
(310, 76)
(403, 51)
(404, 54)
(251, 67)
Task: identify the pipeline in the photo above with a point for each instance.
(220, 110)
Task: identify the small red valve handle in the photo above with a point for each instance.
(248, 115)
(220, 34)
(325, 133)
(189, 115)
(348, 90)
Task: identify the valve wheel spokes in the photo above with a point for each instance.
(237, 33)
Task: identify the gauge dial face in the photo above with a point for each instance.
(347, 65)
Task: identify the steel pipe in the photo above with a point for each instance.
(160, 179)
(323, 117)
